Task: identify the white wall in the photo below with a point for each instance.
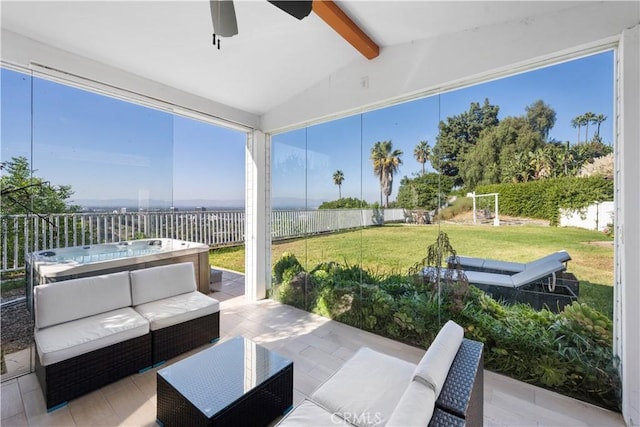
(598, 217)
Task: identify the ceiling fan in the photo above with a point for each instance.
(225, 24)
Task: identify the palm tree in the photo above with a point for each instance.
(422, 153)
(338, 177)
(599, 119)
(386, 162)
(587, 118)
(576, 122)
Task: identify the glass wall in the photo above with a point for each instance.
(541, 126)
(116, 155)
(334, 185)
(17, 326)
(80, 168)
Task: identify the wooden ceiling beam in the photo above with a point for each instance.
(331, 13)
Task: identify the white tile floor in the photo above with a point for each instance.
(316, 345)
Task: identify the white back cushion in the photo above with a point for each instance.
(433, 368)
(560, 256)
(68, 300)
(415, 407)
(151, 284)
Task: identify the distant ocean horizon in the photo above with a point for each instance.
(132, 205)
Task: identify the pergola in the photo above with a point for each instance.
(279, 74)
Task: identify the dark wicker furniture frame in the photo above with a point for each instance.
(177, 339)
(442, 418)
(71, 378)
(536, 294)
(258, 407)
(462, 395)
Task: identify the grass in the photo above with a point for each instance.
(395, 248)
(231, 258)
(8, 285)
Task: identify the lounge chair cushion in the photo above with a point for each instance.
(73, 299)
(434, 367)
(467, 261)
(71, 339)
(310, 414)
(415, 407)
(368, 383)
(505, 267)
(177, 309)
(482, 278)
(538, 272)
(165, 281)
(560, 256)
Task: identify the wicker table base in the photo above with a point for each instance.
(235, 383)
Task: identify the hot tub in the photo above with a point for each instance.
(53, 265)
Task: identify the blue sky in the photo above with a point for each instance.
(107, 149)
(571, 89)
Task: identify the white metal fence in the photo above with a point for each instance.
(22, 234)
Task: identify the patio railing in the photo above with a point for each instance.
(22, 234)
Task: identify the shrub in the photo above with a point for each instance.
(297, 289)
(287, 261)
(344, 203)
(460, 205)
(570, 352)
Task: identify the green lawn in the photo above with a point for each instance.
(395, 248)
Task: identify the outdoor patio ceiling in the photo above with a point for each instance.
(279, 73)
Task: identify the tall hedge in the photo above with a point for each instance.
(544, 198)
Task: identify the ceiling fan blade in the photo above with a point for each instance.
(297, 9)
(223, 17)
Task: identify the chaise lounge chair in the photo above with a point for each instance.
(504, 267)
(538, 284)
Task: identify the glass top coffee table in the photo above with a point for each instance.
(234, 383)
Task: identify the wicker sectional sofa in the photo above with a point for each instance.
(92, 331)
(374, 389)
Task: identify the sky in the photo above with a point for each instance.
(111, 149)
(571, 89)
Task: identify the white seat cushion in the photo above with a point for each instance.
(310, 414)
(165, 281)
(68, 300)
(434, 367)
(177, 309)
(482, 278)
(415, 407)
(368, 387)
(66, 340)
